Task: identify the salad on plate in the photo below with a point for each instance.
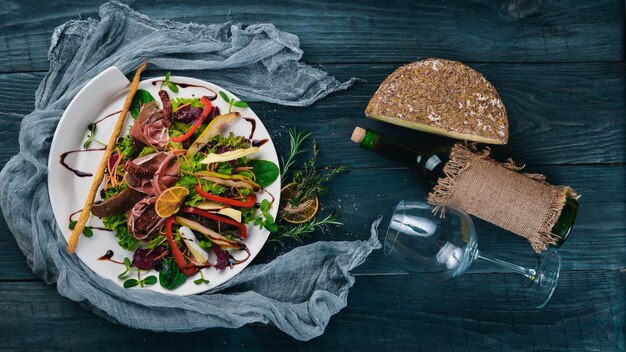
(180, 193)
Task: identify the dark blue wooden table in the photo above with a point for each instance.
(559, 67)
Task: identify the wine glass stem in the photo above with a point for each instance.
(529, 273)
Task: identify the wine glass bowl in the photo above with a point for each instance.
(421, 241)
(441, 245)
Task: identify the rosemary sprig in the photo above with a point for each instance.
(296, 138)
(302, 230)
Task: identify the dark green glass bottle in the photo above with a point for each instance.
(429, 166)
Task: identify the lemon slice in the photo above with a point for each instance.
(302, 212)
(169, 201)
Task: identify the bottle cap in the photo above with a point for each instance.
(358, 134)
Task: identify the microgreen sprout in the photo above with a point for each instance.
(201, 280)
(91, 136)
(150, 280)
(173, 87)
(87, 231)
(233, 102)
(128, 266)
(264, 220)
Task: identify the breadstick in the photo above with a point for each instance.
(98, 176)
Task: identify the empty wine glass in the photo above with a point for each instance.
(443, 247)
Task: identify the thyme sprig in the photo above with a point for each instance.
(309, 182)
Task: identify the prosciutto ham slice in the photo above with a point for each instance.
(118, 204)
(152, 173)
(143, 219)
(151, 126)
(166, 103)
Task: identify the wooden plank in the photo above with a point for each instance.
(559, 114)
(320, 118)
(343, 31)
(360, 195)
(476, 312)
(598, 240)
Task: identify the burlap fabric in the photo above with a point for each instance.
(521, 203)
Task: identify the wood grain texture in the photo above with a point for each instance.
(345, 31)
(559, 68)
(395, 313)
(559, 113)
(598, 240)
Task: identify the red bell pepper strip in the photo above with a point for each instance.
(243, 229)
(249, 202)
(207, 109)
(185, 268)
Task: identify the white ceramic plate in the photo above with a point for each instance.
(105, 95)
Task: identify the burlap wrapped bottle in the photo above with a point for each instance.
(496, 192)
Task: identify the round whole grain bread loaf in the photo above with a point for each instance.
(442, 97)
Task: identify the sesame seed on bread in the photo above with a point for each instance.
(442, 97)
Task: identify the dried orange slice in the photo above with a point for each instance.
(169, 201)
(300, 213)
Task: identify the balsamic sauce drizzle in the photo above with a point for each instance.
(185, 85)
(93, 227)
(253, 124)
(76, 172)
(65, 154)
(108, 256)
(258, 143)
(106, 117)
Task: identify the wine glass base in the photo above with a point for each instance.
(546, 275)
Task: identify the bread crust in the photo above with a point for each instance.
(442, 97)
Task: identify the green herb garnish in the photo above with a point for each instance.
(309, 183)
(173, 87)
(87, 231)
(302, 230)
(130, 283)
(296, 138)
(91, 136)
(129, 266)
(150, 280)
(232, 102)
(201, 280)
(264, 220)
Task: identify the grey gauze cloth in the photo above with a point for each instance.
(297, 292)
